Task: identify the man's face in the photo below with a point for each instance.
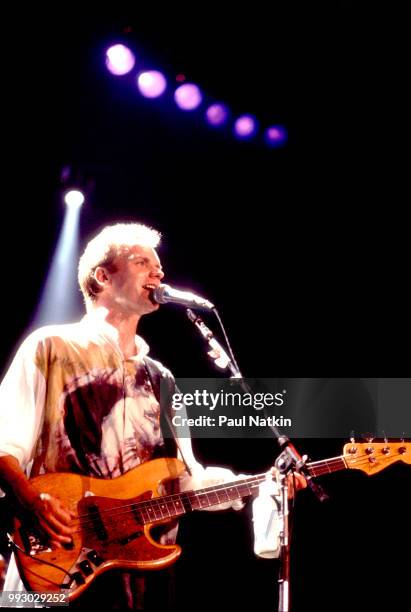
(138, 272)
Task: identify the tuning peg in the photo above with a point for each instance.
(369, 437)
(353, 448)
(385, 449)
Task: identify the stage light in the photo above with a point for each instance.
(119, 59)
(60, 302)
(188, 96)
(245, 126)
(151, 83)
(275, 135)
(217, 114)
(74, 198)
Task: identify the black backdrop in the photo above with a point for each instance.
(303, 249)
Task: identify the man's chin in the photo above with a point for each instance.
(151, 308)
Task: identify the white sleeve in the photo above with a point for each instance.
(22, 398)
(202, 477)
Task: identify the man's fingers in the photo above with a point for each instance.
(55, 521)
(296, 482)
(63, 515)
(57, 525)
(51, 528)
(302, 482)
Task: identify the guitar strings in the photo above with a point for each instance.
(216, 488)
(170, 498)
(175, 496)
(154, 503)
(138, 506)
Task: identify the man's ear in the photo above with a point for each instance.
(101, 277)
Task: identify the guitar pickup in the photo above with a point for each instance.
(97, 522)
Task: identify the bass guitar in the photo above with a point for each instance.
(114, 518)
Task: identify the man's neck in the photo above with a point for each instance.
(125, 325)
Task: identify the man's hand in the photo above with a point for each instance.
(54, 519)
(295, 481)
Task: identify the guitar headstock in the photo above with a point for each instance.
(371, 456)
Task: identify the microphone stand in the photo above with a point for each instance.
(288, 461)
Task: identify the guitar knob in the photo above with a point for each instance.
(95, 558)
(369, 450)
(372, 459)
(85, 567)
(77, 578)
(386, 450)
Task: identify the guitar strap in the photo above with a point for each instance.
(171, 443)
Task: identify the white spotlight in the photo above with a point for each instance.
(74, 198)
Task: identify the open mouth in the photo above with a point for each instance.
(150, 288)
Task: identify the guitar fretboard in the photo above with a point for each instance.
(326, 466)
(172, 506)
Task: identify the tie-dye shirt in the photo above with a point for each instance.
(71, 402)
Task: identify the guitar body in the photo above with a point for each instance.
(110, 535)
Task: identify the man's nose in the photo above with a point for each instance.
(157, 272)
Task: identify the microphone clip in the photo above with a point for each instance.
(217, 353)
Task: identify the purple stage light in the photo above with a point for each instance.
(217, 114)
(188, 96)
(151, 83)
(275, 135)
(245, 126)
(119, 59)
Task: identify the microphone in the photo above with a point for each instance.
(164, 294)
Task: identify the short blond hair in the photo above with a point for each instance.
(112, 241)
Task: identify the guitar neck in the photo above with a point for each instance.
(172, 506)
(326, 466)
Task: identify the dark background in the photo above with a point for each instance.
(305, 250)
